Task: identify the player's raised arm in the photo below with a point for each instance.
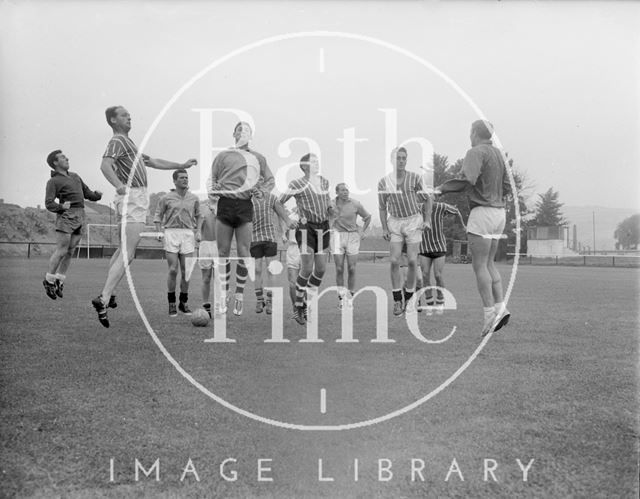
(163, 164)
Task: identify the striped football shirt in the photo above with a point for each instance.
(124, 151)
(433, 240)
(313, 204)
(404, 199)
(263, 210)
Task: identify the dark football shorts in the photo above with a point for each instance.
(317, 237)
(435, 254)
(261, 249)
(70, 221)
(234, 212)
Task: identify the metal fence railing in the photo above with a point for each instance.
(39, 249)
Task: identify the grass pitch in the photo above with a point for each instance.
(559, 386)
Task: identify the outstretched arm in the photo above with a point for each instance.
(163, 164)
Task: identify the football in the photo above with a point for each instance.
(200, 317)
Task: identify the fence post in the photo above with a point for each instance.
(584, 260)
(28, 250)
(556, 259)
(613, 261)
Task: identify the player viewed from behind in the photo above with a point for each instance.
(311, 193)
(70, 191)
(346, 240)
(263, 245)
(207, 251)
(400, 196)
(235, 177)
(120, 165)
(178, 213)
(433, 250)
(486, 184)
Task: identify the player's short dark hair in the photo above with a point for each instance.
(304, 160)
(341, 184)
(111, 112)
(483, 129)
(401, 149)
(178, 172)
(242, 123)
(52, 157)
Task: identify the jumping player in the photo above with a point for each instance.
(346, 241)
(311, 192)
(120, 164)
(486, 184)
(178, 212)
(71, 192)
(235, 177)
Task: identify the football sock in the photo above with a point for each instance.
(171, 297)
(184, 297)
(241, 277)
(301, 285)
(51, 278)
(61, 277)
(259, 294)
(397, 294)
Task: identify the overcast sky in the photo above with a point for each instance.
(560, 82)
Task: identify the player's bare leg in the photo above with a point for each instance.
(425, 265)
(224, 235)
(63, 240)
(206, 289)
(243, 242)
(173, 261)
(502, 314)
(412, 264)
(480, 249)
(268, 282)
(352, 260)
(117, 265)
(302, 281)
(259, 286)
(438, 274)
(184, 284)
(292, 276)
(338, 259)
(395, 255)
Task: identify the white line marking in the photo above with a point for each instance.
(322, 60)
(323, 401)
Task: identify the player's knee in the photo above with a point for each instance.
(394, 260)
(352, 268)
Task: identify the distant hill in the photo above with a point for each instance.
(606, 221)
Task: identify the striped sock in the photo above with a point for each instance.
(314, 280)
(224, 272)
(241, 277)
(259, 294)
(301, 287)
